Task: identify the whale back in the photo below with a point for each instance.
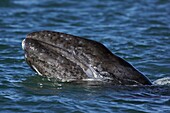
(69, 57)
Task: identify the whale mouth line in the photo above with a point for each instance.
(40, 41)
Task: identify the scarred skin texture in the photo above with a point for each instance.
(72, 58)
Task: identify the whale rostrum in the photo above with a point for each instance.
(71, 58)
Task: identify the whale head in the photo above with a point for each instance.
(69, 58)
(52, 54)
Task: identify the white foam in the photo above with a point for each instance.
(91, 79)
(162, 81)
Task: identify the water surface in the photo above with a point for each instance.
(138, 31)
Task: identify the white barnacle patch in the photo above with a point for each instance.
(49, 34)
(92, 73)
(36, 70)
(74, 53)
(95, 75)
(89, 73)
(23, 44)
(61, 36)
(25, 55)
(32, 48)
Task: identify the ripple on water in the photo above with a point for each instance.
(138, 31)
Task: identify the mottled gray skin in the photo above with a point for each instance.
(72, 58)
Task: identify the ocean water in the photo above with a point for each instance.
(138, 31)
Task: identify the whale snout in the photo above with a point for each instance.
(23, 44)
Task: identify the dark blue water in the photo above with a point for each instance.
(138, 31)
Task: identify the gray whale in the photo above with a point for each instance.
(71, 58)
